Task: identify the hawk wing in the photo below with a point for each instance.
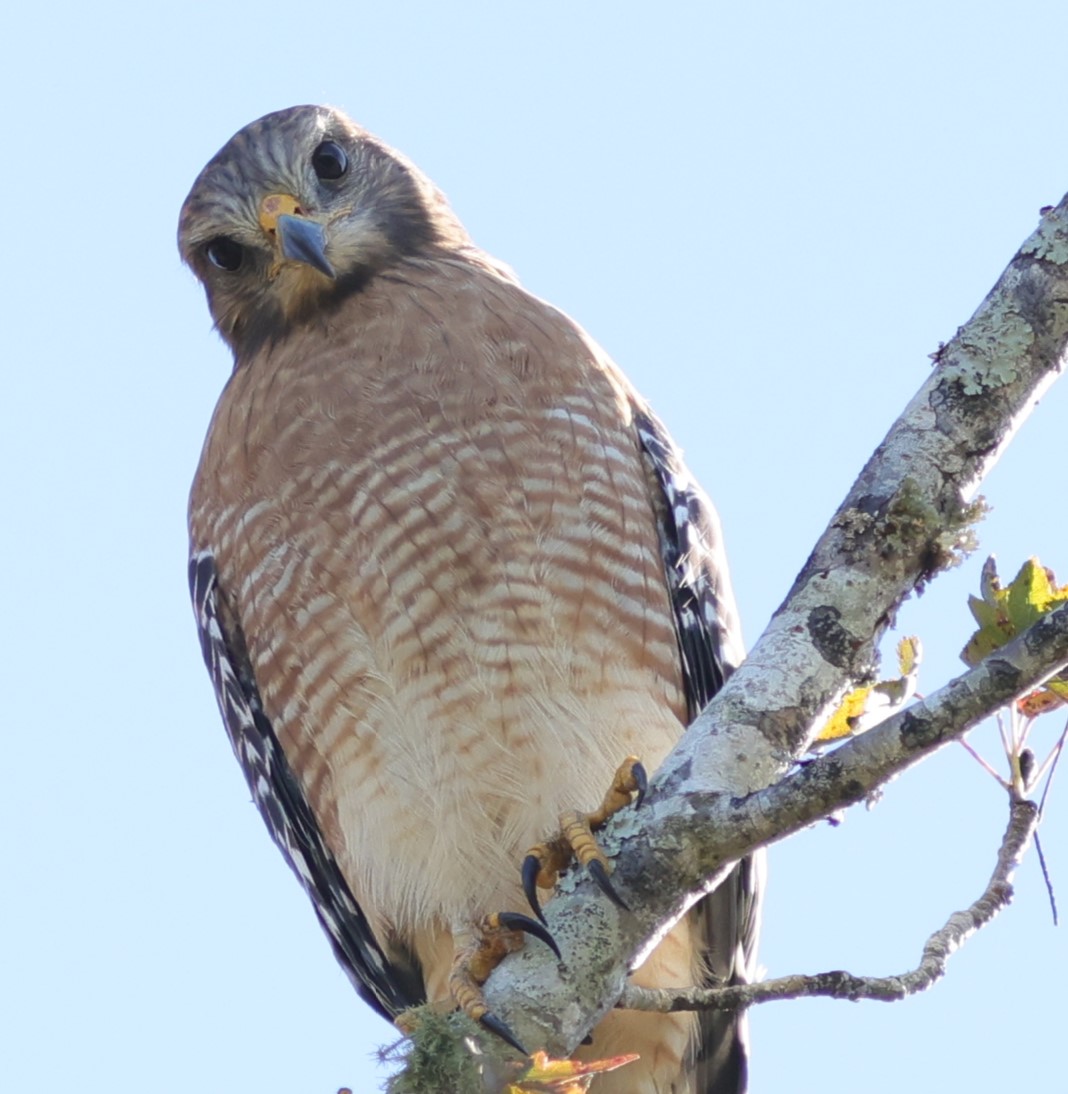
(389, 984)
(710, 645)
(710, 648)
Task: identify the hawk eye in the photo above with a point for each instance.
(329, 160)
(225, 253)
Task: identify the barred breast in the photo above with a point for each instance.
(444, 558)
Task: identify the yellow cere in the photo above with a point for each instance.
(274, 206)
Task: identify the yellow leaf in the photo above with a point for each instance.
(986, 613)
(865, 707)
(909, 655)
(840, 724)
(1029, 595)
(1003, 613)
(1059, 686)
(546, 1076)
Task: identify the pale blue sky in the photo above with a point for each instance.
(770, 214)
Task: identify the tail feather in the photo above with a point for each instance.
(729, 924)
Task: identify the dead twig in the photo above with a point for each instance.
(1023, 821)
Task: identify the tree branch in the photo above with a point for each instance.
(907, 516)
(1023, 821)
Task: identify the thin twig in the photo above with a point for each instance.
(1051, 762)
(1047, 879)
(1023, 820)
(984, 764)
(1006, 743)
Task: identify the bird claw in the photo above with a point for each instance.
(630, 778)
(515, 921)
(641, 782)
(596, 870)
(490, 942)
(491, 1022)
(531, 869)
(543, 863)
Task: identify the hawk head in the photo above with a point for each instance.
(296, 212)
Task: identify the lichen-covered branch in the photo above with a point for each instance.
(1023, 820)
(698, 834)
(908, 515)
(851, 773)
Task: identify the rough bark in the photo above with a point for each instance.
(1023, 821)
(727, 787)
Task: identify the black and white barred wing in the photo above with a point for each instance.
(388, 985)
(727, 921)
(695, 562)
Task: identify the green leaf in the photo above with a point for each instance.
(1003, 613)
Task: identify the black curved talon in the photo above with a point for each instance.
(496, 1026)
(514, 921)
(531, 869)
(641, 777)
(597, 872)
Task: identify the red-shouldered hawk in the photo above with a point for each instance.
(448, 569)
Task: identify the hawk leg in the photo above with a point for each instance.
(544, 863)
(495, 937)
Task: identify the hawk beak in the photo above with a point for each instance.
(297, 236)
(303, 240)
